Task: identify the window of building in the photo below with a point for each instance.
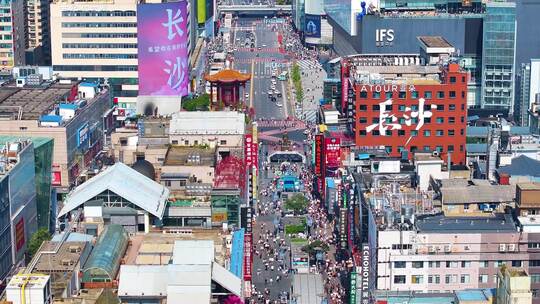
(452, 107)
(451, 132)
(516, 263)
(401, 246)
(535, 278)
(440, 94)
(452, 94)
(427, 95)
(533, 245)
(183, 183)
(402, 95)
(439, 120)
(427, 148)
(450, 148)
(223, 142)
(452, 264)
(388, 132)
(414, 95)
(465, 206)
(427, 120)
(375, 133)
(484, 264)
(462, 107)
(414, 120)
(388, 120)
(451, 120)
(388, 107)
(414, 133)
(465, 264)
(362, 120)
(534, 263)
(402, 121)
(376, 107)
(195, 142)
(498, 263)
(461, 148)
(414, 149)
(362, 108)
(375, 120)
(439, 149)
(450, 278)
(439, 133)
(440, 107)
(414, 108)
(401, 132)
(399, 279)
(417, 264)
(377, 95)
(434, 264)
(465, 278)
(434, 279)
(401, 108)
(388, 95)
(462, 118)
(175, 142)
(400, 264)
(417, 279)
(186, 142)
(362, 133)
(452, 79)
(167, 183)
(462, 78)
(427, 133)
(400, 149)
(388, 148)
(535, 293)
(363, 94)
(483, 278)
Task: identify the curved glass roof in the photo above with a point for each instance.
(104, 261)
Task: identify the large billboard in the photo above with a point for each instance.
(313, 26)
(163, 49)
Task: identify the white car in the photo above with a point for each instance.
(279, 104)
(276, 91)
(270, 92)
(247, 95)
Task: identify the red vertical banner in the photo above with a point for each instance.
(332, 156)
(344, 86)
(248, 150)
(318, 155)
(255, 155)
(248, 259)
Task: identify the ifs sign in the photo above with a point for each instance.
(384, 37)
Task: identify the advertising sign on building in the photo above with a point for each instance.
(246, 219)
(162, 36)
(352, 299)
(247, 256)
(313, 26)
(332, 155)
(19, 234)
(248, 150)
(82, 134)
(364, 274)
(343, 227)
(318, 154)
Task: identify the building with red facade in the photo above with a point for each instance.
(408, 109)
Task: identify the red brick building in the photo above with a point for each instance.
(415, 114)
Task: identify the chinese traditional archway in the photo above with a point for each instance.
(227, 82)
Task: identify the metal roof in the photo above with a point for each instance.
(469, 224)
(473, 131)
(201, 123)
(522, 166)
(196, 252)
(226, 279)
(104, 260)
(478, 194)
(477, 148)
(122, 180)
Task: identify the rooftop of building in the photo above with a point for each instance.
(465, 191)
(190, 156)
(28, 280)
(228, 76)
(442, 224)
(10, 153)
(29, 103)
(208, 122)
(64, 260)
(434, 42)
(529, 186)
(521, 166)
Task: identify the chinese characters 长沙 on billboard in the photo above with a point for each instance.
(163, 49)
(313, 26)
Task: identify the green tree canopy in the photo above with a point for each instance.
(201, 103)
(297, 203)
(37, 238)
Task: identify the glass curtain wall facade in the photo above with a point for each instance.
(299, 14)
(498, 54)
(5, 229)
(521, 110)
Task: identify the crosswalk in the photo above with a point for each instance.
(262, 50)
(243, 28)
(259, 59)
(280, 123)
(310, 115)
(307, 65)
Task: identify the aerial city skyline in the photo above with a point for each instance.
(270, 151)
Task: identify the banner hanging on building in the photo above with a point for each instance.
(313, 26)
(247, 256)
(318, 154)
(163, 49)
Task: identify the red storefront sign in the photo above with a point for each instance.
(318, 155)
(248, 150)
(332, 152)
(56, 175)
(248, 259)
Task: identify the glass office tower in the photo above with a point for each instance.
(498, 56)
